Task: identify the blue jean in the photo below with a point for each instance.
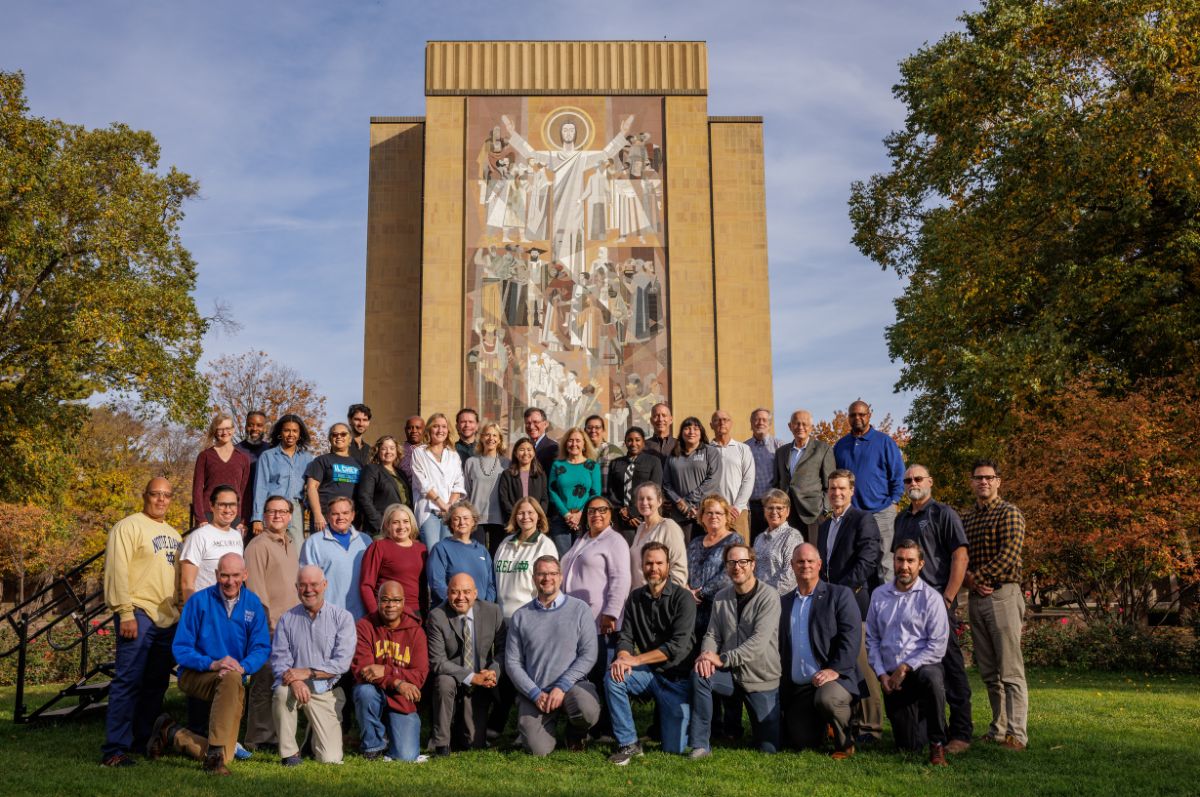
(433, 531)
(561, 535)
(404, 729)
(672, 698)
(764, 710)
(143, 672)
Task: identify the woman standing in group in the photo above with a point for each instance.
(397, 556)
(514, 559)
(460, 553)
(649, 499)
(482, 475)
(692, 471)
(380, 485)
(220, 463)
(625, 474)
(523, 477)
(331, 475)
(574, 480)
(437, 481)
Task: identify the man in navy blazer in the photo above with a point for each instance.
(820, 631)
(544, 447)
(849, 544)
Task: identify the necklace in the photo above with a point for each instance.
(495, 465)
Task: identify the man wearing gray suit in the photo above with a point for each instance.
(802, 471)
(466, 656)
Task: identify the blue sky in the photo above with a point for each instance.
(268, 104)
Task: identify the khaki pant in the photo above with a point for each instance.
(870, 705)
(324, 713)
(742, 525)
(227, 696)
(260, 725)
(996, 622)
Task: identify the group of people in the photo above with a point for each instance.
(564, 581)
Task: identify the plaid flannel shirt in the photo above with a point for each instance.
(995, 536)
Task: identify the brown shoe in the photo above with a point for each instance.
(937, 755)
(842, 755)
(1011, 743)
(214, 762)
(956, 746)
(986, 739)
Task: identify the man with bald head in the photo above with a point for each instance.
(466, 658)
(314, 643)
(820, 632)
(222, 639)
(802, 471)
(139, 589)
(391, 663)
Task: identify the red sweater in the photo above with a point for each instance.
(387, 560)
(211, 472)
(402, 651)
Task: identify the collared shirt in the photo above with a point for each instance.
(736, 481)
(275, 473)
(558, 601)
(468, 621)
(773, 550)
(835, 523)
(666, 623)
(661, 446)
(878, 468)
(906, 627)
(804, 664)
(996, 535)
(939, 531)
(794, 454)
(763, 453)
(325, 642)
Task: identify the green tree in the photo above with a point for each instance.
(1042, 204)
(95, 287)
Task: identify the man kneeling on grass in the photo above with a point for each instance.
(314, 643)
(222, 639)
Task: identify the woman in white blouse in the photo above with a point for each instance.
(437, 480)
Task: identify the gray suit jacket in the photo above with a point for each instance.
(444, 632)
(806, 484)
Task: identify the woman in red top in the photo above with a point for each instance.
(397, 556)
(219, 464)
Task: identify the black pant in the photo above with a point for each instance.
(917, 710)
(958, 688)
(758, 520)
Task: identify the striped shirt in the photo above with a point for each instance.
(995, 537)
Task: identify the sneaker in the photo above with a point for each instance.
(421, 759)
(956, 746)
(117, 760)
(160, 737)
(937, 755)
(372, 755)
(214, 762)
(241, 753)
(699, 753)
(291, 761)
(625, 753)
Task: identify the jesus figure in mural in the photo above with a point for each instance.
(569, 166)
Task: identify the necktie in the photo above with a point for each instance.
(468, 645)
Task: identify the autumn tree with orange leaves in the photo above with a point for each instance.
(1110, 489)
(253, 381)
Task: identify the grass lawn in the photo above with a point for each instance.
(1091, 734)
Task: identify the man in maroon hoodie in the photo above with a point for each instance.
(389, 668)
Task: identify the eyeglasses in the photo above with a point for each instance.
(989, 478)
(552, 574)
(914, 479)
(733, 563)
(598, 510)
(277, 511)
(775, 508)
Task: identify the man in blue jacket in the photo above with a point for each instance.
(820, 630)
(222, 639)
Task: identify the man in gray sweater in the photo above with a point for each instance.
(547, 671)
(739, 655)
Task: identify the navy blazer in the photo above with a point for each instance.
(834, 633)
(856, 552)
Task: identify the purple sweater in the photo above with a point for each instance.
(596, 570)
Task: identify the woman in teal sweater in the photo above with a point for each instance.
(574, 480)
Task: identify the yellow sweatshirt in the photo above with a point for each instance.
(139, 569)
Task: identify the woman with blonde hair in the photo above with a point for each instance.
(482, 476)
(396, 556)
(649, 500)
(220, 463)
(514, 559)
(437, 480)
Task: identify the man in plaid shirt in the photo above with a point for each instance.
(995, 535)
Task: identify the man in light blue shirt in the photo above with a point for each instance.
(280, 471)
(339, 551)
(907, 633)
(314, 644)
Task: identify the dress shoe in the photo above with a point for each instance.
(440, 752)
(214, 762)
(937, 755)
(117, 761)
(1010, 743)
(842, 755)
(956, 746)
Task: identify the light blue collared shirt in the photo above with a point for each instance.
(278, 474)
(804, 664)
(325, 642)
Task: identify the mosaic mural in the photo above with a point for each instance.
(566, 265)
